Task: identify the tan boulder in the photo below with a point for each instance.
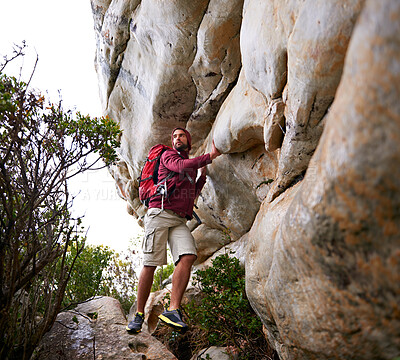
(262, 252)
(301, 62)
(235, 249)
(217, 63)
(236, 184)
(329, 288)
(239, 125)
(112, 36)
(213, 352)
(322, 258)
(96, 329)
(208, 241)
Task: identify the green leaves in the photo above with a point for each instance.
(7, 90)
(224, 312)
(101, 134)
(87, 273)
(160, 275)
(41, 147)
(30, 126)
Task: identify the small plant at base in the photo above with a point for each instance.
(224, 312)
(167, 300)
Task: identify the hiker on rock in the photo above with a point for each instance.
(165, 222)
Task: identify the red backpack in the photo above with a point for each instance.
(148, 179)
(149, 185)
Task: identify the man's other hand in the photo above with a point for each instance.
(203, 171)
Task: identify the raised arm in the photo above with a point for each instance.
(175, 163)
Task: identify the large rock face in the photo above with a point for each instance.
(302, 97)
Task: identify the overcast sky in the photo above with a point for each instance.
(61, 34)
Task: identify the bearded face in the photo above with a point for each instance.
(179, 140)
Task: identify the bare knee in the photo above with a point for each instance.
(187, 260)
(148, 270)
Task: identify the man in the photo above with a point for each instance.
(165, 222)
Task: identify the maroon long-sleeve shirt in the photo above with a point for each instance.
(182, 189)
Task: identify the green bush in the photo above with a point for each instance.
(100, 271)
(161, 274)
(224, 313)
(87, 275)
(120, 280)
(42, 147)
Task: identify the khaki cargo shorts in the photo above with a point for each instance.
(162, 227)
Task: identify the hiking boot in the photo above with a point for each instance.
(136, 324)
(173, 318)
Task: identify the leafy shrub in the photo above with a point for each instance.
(120, 280)
(42, 146)
(220, 315)
(100, 271)
(224, 314)
(87, 275)
(161, 274)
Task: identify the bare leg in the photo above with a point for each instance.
(144, 286)
(180, 279)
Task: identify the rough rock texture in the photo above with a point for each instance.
(302, 97)
(294, 51)
(237, 249)
(206, 241)
(213, 352)
(216, 64)
(96, 330)
(331, 286)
